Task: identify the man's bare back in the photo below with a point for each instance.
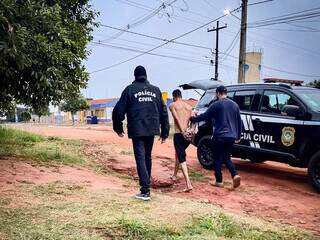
(181, 112)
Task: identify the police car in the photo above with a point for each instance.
(280, 123)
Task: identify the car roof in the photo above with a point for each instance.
(210, 85)
(272, 85)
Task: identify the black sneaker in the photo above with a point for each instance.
(143, 196)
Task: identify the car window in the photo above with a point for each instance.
(274, 101)
(311, 97)
(206, 99)
(230, 94)
(244, 99)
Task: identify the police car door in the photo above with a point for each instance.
(275, 130)
(247, 101)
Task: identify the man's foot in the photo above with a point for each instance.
(236, 181)
(173, 178)
(188, 189)
(143, 196)
(217, 184)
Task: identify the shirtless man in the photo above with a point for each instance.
(181, 113)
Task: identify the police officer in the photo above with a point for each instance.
(224, 115)
(146, 112)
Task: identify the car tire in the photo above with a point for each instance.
(257, 160)
(204, 152)
(314, 171)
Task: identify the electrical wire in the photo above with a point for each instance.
(156, 38)
(231, 47)
(141, 19)
(163, 44)
(280, 70)
(291, 17)
(134, 49)
(96, 35)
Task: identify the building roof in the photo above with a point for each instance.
(103, 103)
(100, 101)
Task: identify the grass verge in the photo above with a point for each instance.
(43, 150)
(58, 211)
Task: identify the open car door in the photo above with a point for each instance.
(202, 84)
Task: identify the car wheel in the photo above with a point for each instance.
(314, 171)
(204, 152)
(257, 160)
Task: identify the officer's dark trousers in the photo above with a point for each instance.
(222, 149)
(142, 147)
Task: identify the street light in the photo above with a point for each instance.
(227, 12)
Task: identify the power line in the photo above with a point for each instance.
(280, 70)
(157, 38)
(256, 3)
(304, 27)
(161, 45)
(284, 44)
(289, 30)
(96, 35)
(131, 49)
(291, 17)
(148, 8)
(142, 19)
(231, 47)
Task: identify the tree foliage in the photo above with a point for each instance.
(42, 46)
(25, 116)
(41, 111)
(315, 83)
(74, 104)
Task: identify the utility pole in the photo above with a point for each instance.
(243, 42)
(217, 29)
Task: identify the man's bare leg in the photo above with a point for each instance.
(186, 176)
(176, 169)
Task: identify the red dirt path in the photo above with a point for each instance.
(269, 190)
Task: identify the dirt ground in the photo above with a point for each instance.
(269, 190)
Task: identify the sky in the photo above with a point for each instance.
(289, 48)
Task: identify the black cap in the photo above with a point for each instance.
(140, 72)
(221, 89)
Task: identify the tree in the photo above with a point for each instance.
(315, 83)
(41, 111)
(42, 46)
(73, 105)
(25, 116)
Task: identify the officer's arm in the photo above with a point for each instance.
(207, 115)
(164, 119)
(239, 127)
(119, 112)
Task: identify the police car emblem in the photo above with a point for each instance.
(288, 137)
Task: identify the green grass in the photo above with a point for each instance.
(57, 189)
(198, 176)
(9, 136)
(51, 150)
(69, 211)
(46, 212)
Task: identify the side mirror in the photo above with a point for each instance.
(292, 111)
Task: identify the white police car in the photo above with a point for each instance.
(280, 123)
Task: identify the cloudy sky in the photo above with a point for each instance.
(290, 50)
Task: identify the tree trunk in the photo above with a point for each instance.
(72, 117)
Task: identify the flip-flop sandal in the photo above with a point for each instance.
(173, 179)
(187, 190)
